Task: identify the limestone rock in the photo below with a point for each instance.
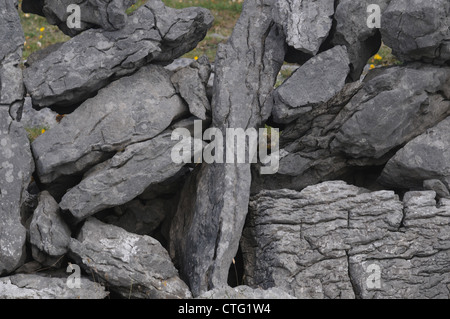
(124, 176)
(16, 167)
(94, 58)
(130, 110)
(315, 82)
(394, 106)
(109, 15)
(418, 30)
(306, 24)
(49, 234)
(133, 266)
(328, 241)
(245, 292)
(39, 286)
(425, 157)
(206, 229)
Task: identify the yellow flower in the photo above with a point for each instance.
(43, 131)
(42, 29)
(378, 57)
(41, 36)
(372, 66)
(196, 58)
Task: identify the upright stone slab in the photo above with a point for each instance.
(16, 163)
(206, 229)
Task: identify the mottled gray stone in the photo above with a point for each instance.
(130, 110)
(352, 31)
(16, 167)
(318, 243)
(245, 292)
(140, 217)
(37, 118)
(206, 230)
(425, 157)
(437, 186)
(190, 82)
(11, 39)
(133, 266)
(94, 58)
(49, 234)
(305, 23)
(418, 30)
(124, 176)
(109, 15)
(41, 286)
(394, 106)
(314, 83)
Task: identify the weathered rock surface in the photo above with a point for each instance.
(39, 286)
(245, 292)
(363, 125)
(319, 243)
(16, 166)
(352, 31)
(109, 15)
(12, 39)
(418, 30)
(206, 230)
(94, 58)
(190, 82)
(314, 83)
(394, 106)
(412, 263)
(133, 266)
(130, 110)
(49, 234)
(33, 118)
(306, 24)
(124, 176)
(426, 157)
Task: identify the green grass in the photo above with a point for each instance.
(34, 132)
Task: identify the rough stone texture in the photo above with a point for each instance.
(425, 157)
(245, 292)
(133, 266)
(352, 31)
(305, 23)
(124, 176)
(42, 118)
(190, 83)
(437, 186)
(413, 262)
(16, 167)
(319, 242)
(418, 30)
(11, 39)
(394, 106)
(39, 286)
(206, 230)
(363, 125)
(130, 110)
(94, 58)
(109, 15)
(314, 83)
(49, 234)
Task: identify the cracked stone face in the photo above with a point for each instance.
(94, 58)
(319, 243)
